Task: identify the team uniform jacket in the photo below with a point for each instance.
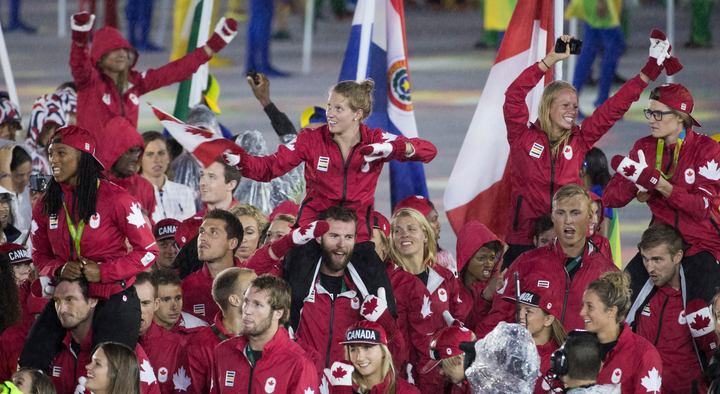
(692, 207)
(197, 294)
(98, 100)
(141, 189)
(545, 351)
(537, 175)
(12, 341)
(200, 349)
(188, 324)
(167, 352)
(68, 367)
(118, 218)
(634, 363)
(262, 263)
(330, 179)
(401, 387)
(283, 368)
(551, 260)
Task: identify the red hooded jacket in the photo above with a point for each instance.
(692, 208)
(118, 218)
(472, 236)
(167, 352)
(331, 180)
(536, 175)
(283, 368)
(200, 349)
(601, 242)
(550, 260)
(98, 100)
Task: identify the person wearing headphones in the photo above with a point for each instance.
(578, 362)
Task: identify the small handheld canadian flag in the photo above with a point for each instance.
(699, 319)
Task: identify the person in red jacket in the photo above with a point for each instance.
(76, 308)
(570, 261)
(263, 357)
(671, 309)
(13, 338)
(343, 159)
(164, 232)
(540, 313)
(166, 350)
(628, 359)
(597, 216)
(549, 153)
(449, 358)
(107, 84)
(368, 365)
(229, 289)
(220, 236)
(82, 226)
(169, 299)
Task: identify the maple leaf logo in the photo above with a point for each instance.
(339, 373)
(33, 227)
(181, 379)
(700, 322)
(369, 306)
(309, 391)
(567, 148)
(689, 173)
(324, 386)
(291, 145)
(147, 375)
(425, 311)
(652, 381)
(135, 217)
(710, 171)
(629, 170)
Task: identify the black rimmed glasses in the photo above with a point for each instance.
(658, 115)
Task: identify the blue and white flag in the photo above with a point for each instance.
(376, 49)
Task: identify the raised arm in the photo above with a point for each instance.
(83, 71)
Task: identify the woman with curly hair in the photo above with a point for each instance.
(9, 301)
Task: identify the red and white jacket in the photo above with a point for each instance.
(197, 294)
(537, 175)
(283, 368)
(550, 260)
(98, 100)
(330, 179)
(545, 351)
(167, 352)
(445, 295)
(200, 349)
(68, 367)
(634, 363)
(118, 218)
(188, 324)
(692, 207)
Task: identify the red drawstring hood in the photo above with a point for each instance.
(601, 210)
(119, 136)
(108, 39)
(472, 236)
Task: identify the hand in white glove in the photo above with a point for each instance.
(340, 373)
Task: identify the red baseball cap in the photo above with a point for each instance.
(78, 138)
(285, 208)
(676, 97)
(418, 203)
(165, 229)
(380, 222)
(16, 253)
(445, 344)
(539, 291)
(365, 331)
(187, 230)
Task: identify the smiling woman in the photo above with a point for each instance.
(113, 369)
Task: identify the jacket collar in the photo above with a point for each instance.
(153, 332)
(278, 342)
(557, 249)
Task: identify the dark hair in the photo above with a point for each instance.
(597, 167)
(227, 282)
(543, 224)
(165, 277)
(233, 227)
(278, 292)
(19, 157)
(231, 173)
(123, 369)
(9, 301)
(583, 356)
(81, 281)
(150, 136)
(84, 200)
(41, 382)
(145, 277)
(341, 214)
(659, 234)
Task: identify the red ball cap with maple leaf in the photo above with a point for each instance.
(676, 97)
(365, 331)
(445, 344)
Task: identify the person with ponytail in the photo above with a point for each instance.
(81, 228)
(343, 159)
(548, 154)
(628, 358)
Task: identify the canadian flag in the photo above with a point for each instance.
(479, 185)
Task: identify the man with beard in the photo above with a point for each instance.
(335, 283)
(264, 356)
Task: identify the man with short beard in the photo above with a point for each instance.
(335, 283)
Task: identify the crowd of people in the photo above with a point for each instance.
(127, 266)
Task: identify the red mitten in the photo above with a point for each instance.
(382, 150)
(700, 321)
(81, 25)
(234, 157)
(636, 171)
(340, 374)
(672, 64)
(225, 31)
(299, 237)
(376, 309)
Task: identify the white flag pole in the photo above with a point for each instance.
(557, 31)
(365, 40)
(573, 32)
(7, 70)
(308, 36)
(62, 18)
(670, 29)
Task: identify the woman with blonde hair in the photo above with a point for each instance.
(369, 367)
(113, 369)
(628, 358)
(253, 222)
(548, 153)
(343, 159)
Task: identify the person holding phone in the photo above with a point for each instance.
(548, 153)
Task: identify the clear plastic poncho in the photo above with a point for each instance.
(268, 195)
(506, 361)
(187, 172)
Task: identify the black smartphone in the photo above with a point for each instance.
(39, 182)
(575, 46)
(254, 75)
